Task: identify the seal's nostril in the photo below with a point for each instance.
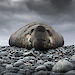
(48, 41)
(40, 28)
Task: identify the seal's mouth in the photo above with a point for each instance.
(39, 44)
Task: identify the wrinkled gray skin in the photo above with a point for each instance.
(36, 35)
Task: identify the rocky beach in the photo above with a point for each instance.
(20, 61)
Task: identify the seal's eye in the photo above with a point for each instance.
(49, 33)
(31, 31)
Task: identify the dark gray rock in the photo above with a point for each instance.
(18, 54)
(72, 72)
(55, 56)
(43, 56)
(2, 61)
(49, 65)
(9, 66)
(30, 53)
(15, 59)
(49, 57)
(41, 67)
(26, 59)
(53, 73)
(36, 53)
(62, 66)
(73, 66)
(2, 69)
(39, 62)
(21, 66)
(18, 63)
(13, 70)
(30, 59)
(3, 53)
(12, 74)
(21, 71)
(66, 58)
(42, 73)
(3, 49)
(22, 61)
(28, 72)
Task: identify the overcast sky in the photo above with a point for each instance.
(60, 14)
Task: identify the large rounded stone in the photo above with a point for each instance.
(72, 72)
(62, 66)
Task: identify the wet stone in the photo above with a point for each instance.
(28, 53)
(39, 62)
(36, 53)
(41, 67)
(18, 63)
(49, 65)
(29, 59)
(18, 54)
(55, 56)
(26, 59)
(49, 57)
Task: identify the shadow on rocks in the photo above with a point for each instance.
(42, 73)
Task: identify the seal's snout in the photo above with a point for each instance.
(40, 28)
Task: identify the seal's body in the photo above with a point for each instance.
(36, 35)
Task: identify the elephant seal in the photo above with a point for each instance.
(36, 35)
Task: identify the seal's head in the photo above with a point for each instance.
(40, 38)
